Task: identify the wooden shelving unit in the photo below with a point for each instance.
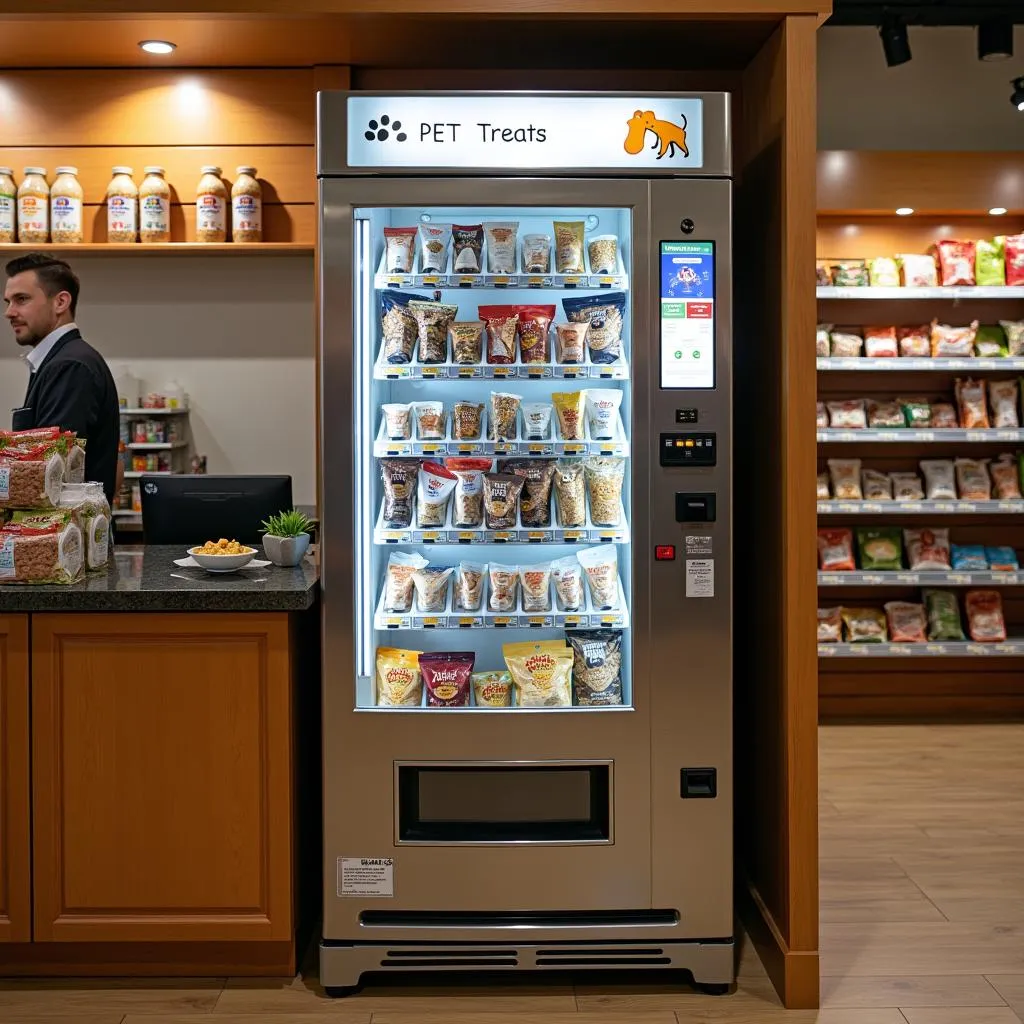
(99, 249)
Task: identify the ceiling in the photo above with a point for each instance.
(916, 12)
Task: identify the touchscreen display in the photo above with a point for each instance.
(687, 314)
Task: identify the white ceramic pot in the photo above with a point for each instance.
(286, 551)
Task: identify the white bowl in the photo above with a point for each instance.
(222, 563)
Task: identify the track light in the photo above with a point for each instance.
(895, 42)
(995, 39)
(157, 46)
(1017, 99)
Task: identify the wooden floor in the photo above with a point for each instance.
(922, 874)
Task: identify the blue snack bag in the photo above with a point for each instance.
(1002, 559)
(969, 558)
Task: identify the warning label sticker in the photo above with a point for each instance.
(700, 577)
(366, 876)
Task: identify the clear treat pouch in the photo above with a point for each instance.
(434, 242)
(435, 488)
(602, 409)
(601, 567)
(398, 586)
(501, 246)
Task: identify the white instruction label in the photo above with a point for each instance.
(700, 577)
(366, 876)
(6, 558)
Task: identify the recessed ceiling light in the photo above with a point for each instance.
(997, 211)
(904, 211)
(157, 46)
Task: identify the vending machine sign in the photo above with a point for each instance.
(687, 315)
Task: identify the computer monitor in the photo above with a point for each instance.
(190, 510)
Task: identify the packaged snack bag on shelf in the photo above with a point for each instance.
(884, 272)
(864, 625)
(446, 677)
(845, 479)
(32, 473)
(503, 416)
(398, 679)
(502, 326)
(604, 313)
(956, 262)
(1003, 397)
(41, 547)
(596, 670)
(535, 333)
(603, 253)
(467, 341)
(939, 479)
(1013, 250)
(492, 689)
(467, 421)
(884, 413)
(918, 270)
(469, 586)
(537, 418)
(917, 412)
(434, 242)
(915, 341)
(822, 416)
(972, 479)
(848, 414)
(501, 497)
(835, 550)
(990, 342)
(601, 569)
(970, 400)
(824, 275)
(535, 499)
(399, 477)
(502, 587)
(92, 514)
(541, 673)
(969, 558)
(990, 266)
(569, 407)
(605, 476)
(399, 329)
(569, 247)
(400, 250)
(570, 493)
(431, 420)
(823, 341)
(880, 342)
(434, 490)
(877, 486)
(985, 620)
(1005, 478)
(850, 273)
(1002, 559)
(953, 342)
(397, 421)
(847, 344)
(944, 416)
(907, 487)
(430, 585)
(943, 615)
(571, 342)
(880, 548)
(535, 581)
(1014, 336)
(468, 510)
(908, 623)
(501, 246)
(830, 625)
(398, 580)
(432, 321)
(467, 245)
(568, 576)
(928, 549)
(602, 411)
(537, 254)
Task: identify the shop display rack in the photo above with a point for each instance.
(957, 293)
(944, 649)
(924, 578)
(831, 507)
(903, 435)
(921, 363)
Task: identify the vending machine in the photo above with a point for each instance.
(526, 335)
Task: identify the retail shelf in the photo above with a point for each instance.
(901, 435)
(153, 412)
(919, 363)
(907, 578)
(450, 533)
(517, 371)
(135, 474)
(586, 616)
(940, 649)
(907, 508)
(169, 249)
(958, 292)
(137, 446)
(124, 513)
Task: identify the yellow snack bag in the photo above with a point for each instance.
(541, 672)
(569, 409)
(399, 682)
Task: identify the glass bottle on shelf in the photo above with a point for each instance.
(8, 205)
(66, 207)
(154, 207)
(34, 207)
(246, 207)
(122, 207)
(211, 206)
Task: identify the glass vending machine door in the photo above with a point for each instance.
(493, 405)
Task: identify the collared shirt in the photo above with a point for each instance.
(38, 353)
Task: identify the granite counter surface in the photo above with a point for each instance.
(145, 579)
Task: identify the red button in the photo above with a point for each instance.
(664, 552)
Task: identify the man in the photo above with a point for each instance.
(70, 385)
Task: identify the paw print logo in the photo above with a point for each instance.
(380, 131)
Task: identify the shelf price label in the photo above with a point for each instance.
(611, 620)
(538, 282)
(431, 622)
(431, 279)
(504, 620)
(570, 373)
(466, 449)
(395, 282)
(936, 648)
(912, 578)
(433, 371)
(431, 537)
(534, 372)
(539, 449)
(825, 651)
(607, 536)
(573, 449)
(504, 447)
(504, 371)
(573, 536)
(466, 622)
(900, 650)
(502, 537)
(394, 537)
(392, 622)
(539, 620)
(537, 537)
(570, 282)
(466, 282)
(433, 449)
(830, 579)
(978, 649)
(959, 579)
(467, 536)
(469, 371)
(396, 372)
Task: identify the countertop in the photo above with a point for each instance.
(145, 579)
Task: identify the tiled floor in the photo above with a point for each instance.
(922, 911)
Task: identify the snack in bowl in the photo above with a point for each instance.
(222, 555)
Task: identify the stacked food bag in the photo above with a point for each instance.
(923, 341)
(948, 263)
(53, 525)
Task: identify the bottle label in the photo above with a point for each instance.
(33, 215)
(121, 217)
(210, 213)
(67, 215)
(7, 215)
(155, 212)
(246, 214)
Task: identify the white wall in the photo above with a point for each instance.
(943, 99)
(236, 332)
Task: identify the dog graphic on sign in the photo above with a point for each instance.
(668, 136)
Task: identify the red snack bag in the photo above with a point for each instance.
(835, 550)
(970, 398)
(956, 262)
(534, 333)
(985, 620)
(908, 623)
(1015, 259)
(446, 676)
(880, 342)
(502, 327)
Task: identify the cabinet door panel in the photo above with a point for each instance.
(162, 777)
(15, 859)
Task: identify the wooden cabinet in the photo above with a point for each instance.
(161, 777)
(15, 860)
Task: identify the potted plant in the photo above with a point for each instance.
(287, 537)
